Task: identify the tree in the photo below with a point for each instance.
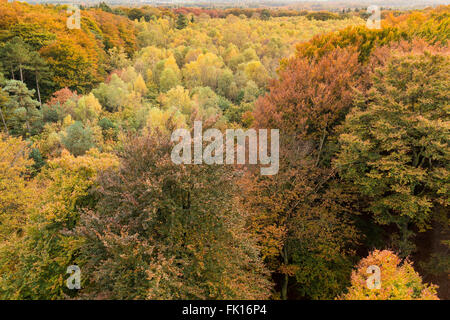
(139, 85)
(102, 5)
(3, 99)
(182, 21)
(16, 53)
(61, 96)
(399, 281)
(118, 58)
(41, 71)
(394, 146)
(34, 263)
(177, 98)
(304, 223)
(254, 70)
(204, 71)
(17, 197)
(72, 65)
(31, 33)
(87, 109)
(23, 114)
(168, 80)
(170, 231)
(78, 138)
(265, 14)
(226, 84)
(365, 40)
(112, 95)
(39, 161)
(15, 190)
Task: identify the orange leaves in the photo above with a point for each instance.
(310, 96)
(61, 96)
(116, 31)
(75, 56)
(399, 280)
(289, 270)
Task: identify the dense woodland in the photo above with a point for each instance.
(86, 176)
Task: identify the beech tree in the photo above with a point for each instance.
(303, 223)
(15, 190)
(162, 230)
(394, 145)
(34, 262)
(86, 176)
(398, 280)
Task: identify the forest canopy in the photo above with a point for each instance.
(86, 176)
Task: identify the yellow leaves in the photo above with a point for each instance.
(88, 108)
(16, 194)
(399, 281)
(209, 59)
(289, 270)
(169, 79)
(159, 119)
(193, 55)
(13, 155)
(67, 179)
(93, 160)
(49, 142)
(254, 70)
(177, 98)
(271, 238)
(139, 85)
(171, 63)
(68, 121)
(390, 148)
(204, 71)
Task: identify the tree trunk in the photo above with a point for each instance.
(284, 285)
(12, 74)
(28, 126)
(4, 122)
(38, 91)
(21, 73)
(321, 146)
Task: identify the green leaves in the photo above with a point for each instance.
(162, 230)
(78, 138)
(393, 147)
(22, 111)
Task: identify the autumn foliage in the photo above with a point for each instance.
(398, 281)
(87, 179)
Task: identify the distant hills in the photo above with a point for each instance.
(305, 4)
